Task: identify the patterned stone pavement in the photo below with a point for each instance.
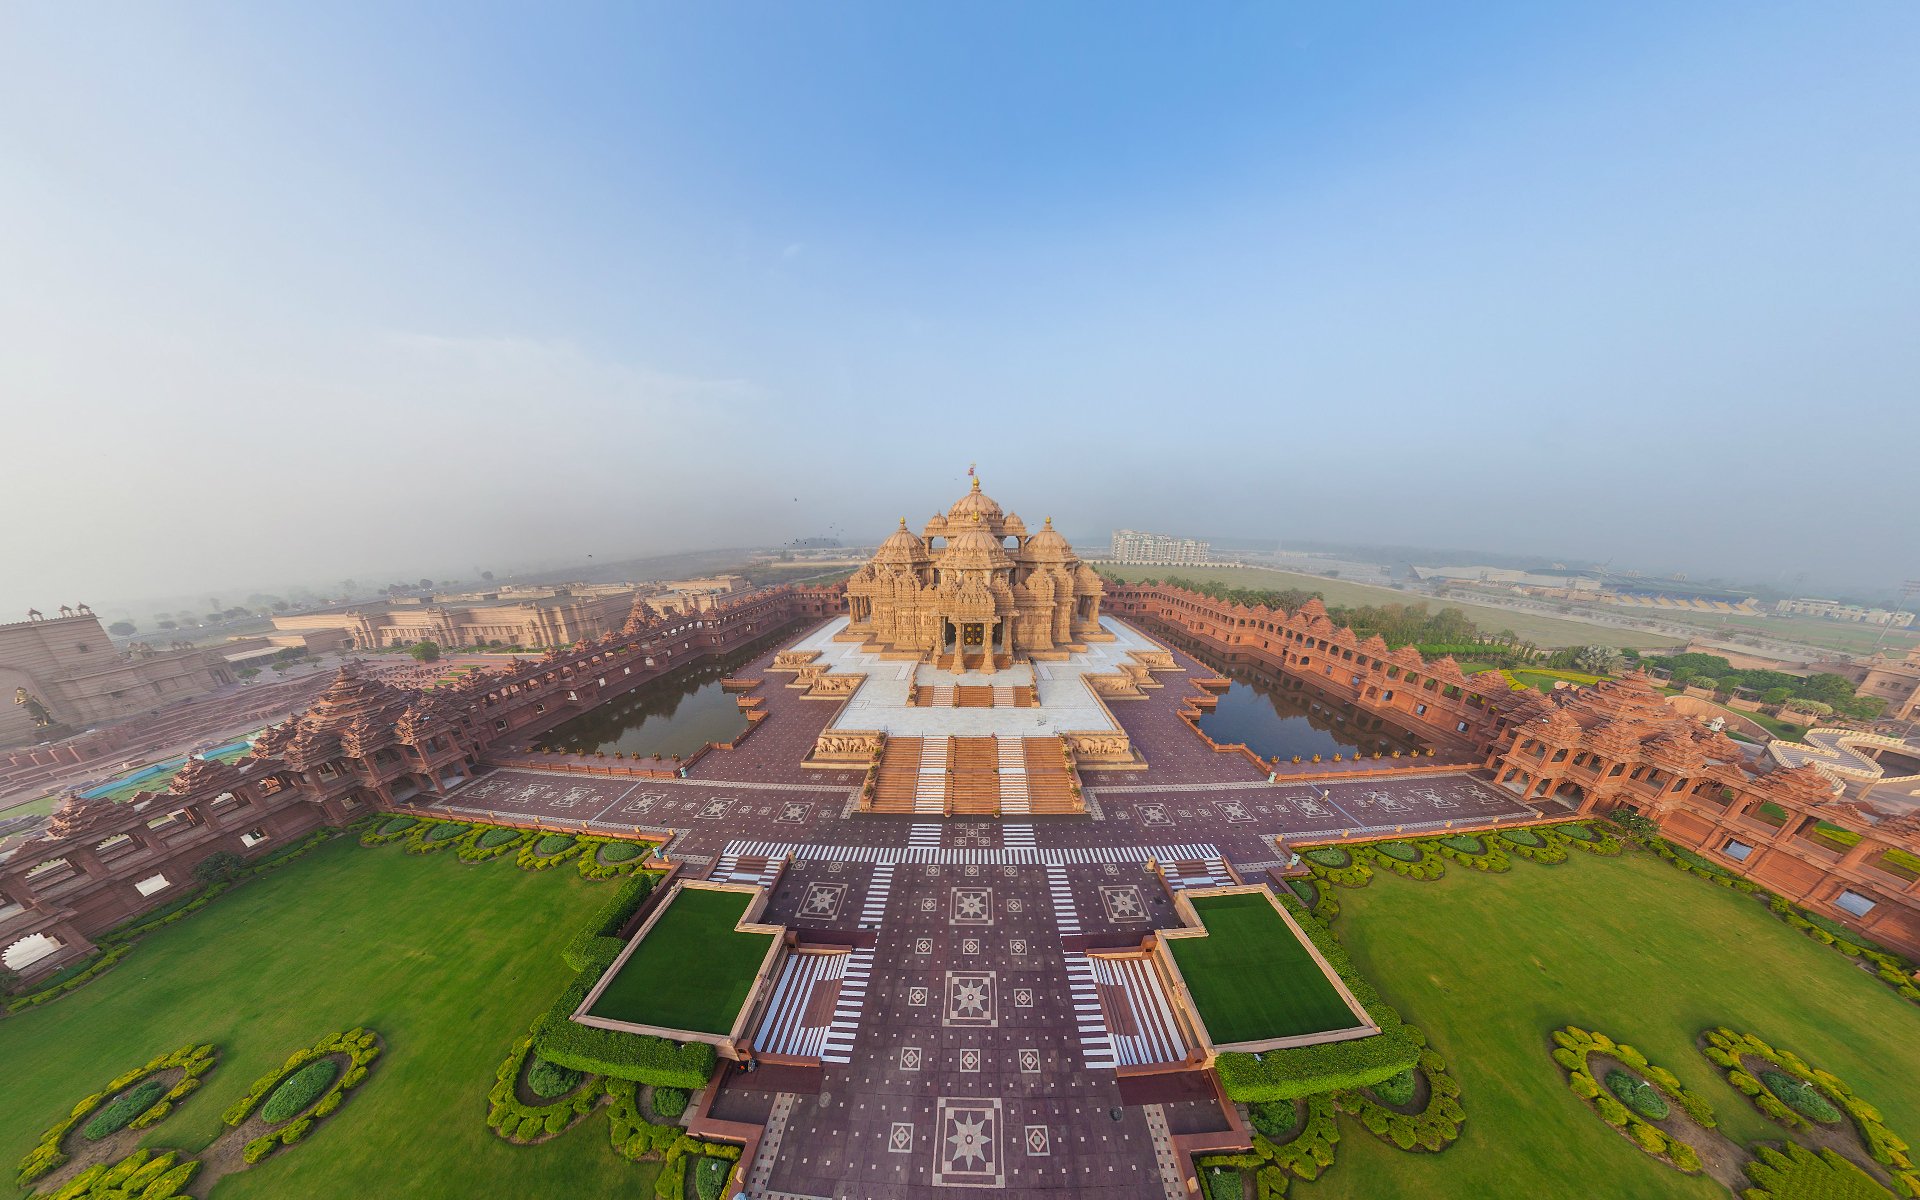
(975, 1055)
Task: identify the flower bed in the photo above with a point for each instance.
(1730, 1051)
(485, 842)
(1633, 1098)
(547, 851)
(193, 1062)
(283, 1106)
(525, 1123)
(119, 1112)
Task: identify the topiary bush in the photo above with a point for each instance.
(517, 1121)
(548, 1080)
(669, 1101)
(1465, 843)
(193, 1062)
(617, 852)
(1328, 856)
(1396, 1090)
(491, 838)
(1800, 1096)
(1637, 1094)
(119, 1112)
(710, 1178)
(299, 1091)
(1399, 851)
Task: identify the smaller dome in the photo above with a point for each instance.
(1048, 545)
(974, 547)
(902, 547)
(975, 503)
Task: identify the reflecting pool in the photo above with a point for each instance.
(675, 714)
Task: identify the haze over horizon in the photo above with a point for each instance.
(289, 293)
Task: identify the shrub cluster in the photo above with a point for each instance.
(1275, 1165)
(547, 851)
(1800, 1096)
(608, 858)
(142, 1175)
(1634, 1098)
(379, 832)
(1727, 1050)
(119, 1112)
(1547, 849)
(192, 1062)
(636, 1137)
(484, 842)
(298, 1091)
(522, 1123)
(293, 1111)
(1794, 1172)
(430, 837)
(595, 945)
(669, 1102)
(1474, 853)
(1433, 1128)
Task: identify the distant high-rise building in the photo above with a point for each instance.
(1159, 549)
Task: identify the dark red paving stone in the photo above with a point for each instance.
(1025, 1059)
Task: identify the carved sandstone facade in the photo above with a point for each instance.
(962, 588)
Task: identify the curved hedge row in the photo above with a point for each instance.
(1794, 1172)
(1633, 1121)
(143, 1175)
(1434, 1128)
(1725, 1049)
(546, 851)
(636, 1137)
(377, 832)
(298, 1091)
(608, 858)
(1276, 1164)
(193, 1062)
(430, 837)
(485, 842)
(1530, 844)
(523, 1123)
(360, 1047)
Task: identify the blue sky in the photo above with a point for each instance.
(289, 293)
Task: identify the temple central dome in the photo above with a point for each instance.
(976, 584)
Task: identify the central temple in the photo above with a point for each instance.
(976, 590)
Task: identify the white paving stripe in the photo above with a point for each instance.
(1011, 856)
(1158, 1038)
(1095, 1042)
(925, 833)
(879, 886)
(1061, 893)
(1017, 836)
(837, 1046)
(782, 1031)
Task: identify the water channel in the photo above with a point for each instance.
(1279, 716)
(675, 714)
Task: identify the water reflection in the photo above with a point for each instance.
(675, 714)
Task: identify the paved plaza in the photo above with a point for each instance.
(963, 1043)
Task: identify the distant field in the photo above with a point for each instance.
(1810, 631)
(1542, 631)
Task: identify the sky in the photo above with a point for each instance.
(291, 293)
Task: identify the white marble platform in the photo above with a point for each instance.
(1067, 702)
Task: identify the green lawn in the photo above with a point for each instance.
(693, 971)
(1488, 964)
(1541, 630)
(448, 962)
(1251, 978)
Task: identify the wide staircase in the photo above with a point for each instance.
(975, 661)
(975, 776)
(975, 789)
(898, 781)
(975, 695)
(1049, 784)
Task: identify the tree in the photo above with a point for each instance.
(1777, 695)
(487, 575)
(9, 980)
(222, 866)
(169, 624)
(1599, 660)
(122, 629)
(1830, 689)
(426, 583)
(281, 606)
(426, 651)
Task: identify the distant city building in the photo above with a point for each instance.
(1833, 610)
(1158, 549)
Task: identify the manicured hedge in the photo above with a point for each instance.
(710, 1177)
(611, 1052)
(1632, 1102)
(360, 1047)
(1434, 1127)
(497, 836)
(669, 1102)
(1800, 1096)
(1327, 856)
(299, 1090)
(597, 943)
(1794, 1172)
(119, 1112)
(1398, 851)
(1638, 1095)
(1522, 837)
(523, 1123)
(1726, 1048)
(1397, 1090)
(1466, 843)
(142, 1175)
(607, 858)
(546, 851)
(549, 1080)
(193, 1062)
